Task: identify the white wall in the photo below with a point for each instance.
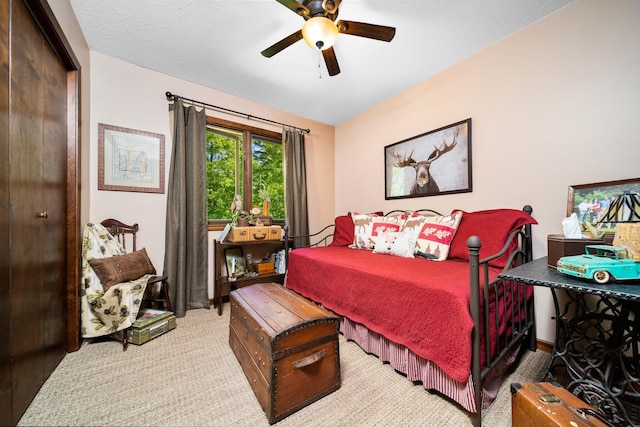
(552, 106)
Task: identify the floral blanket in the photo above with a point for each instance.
(103, 313)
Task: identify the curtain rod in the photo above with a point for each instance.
(248, 116)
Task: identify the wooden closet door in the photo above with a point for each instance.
(5, 306)
(38, 209)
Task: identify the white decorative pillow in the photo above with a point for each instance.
(434, 234)
(368, 227)
(400, 243)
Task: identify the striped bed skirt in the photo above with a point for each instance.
(418, 369)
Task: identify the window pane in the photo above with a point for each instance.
(224, 171)
(268, 175)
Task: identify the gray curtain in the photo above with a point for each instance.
(185, 259)
(296, 208)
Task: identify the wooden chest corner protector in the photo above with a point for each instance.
(287, 347)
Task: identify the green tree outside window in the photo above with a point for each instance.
(227, 164)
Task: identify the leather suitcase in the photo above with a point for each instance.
(547, 404)
(287, 347)
(255, 233)
(150, 324)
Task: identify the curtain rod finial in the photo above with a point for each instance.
(169, 95)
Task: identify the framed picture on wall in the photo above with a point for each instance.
(130, 160)
(592, 201)
(430, 164)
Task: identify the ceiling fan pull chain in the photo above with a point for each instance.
(319, 64)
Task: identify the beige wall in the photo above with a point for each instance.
(129, 96)
(121, 94)
(69, 24)
(551, 106)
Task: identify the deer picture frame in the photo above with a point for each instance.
(430, 164)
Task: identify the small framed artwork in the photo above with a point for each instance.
(130, 160)
(591, 201)
(430, 164)
(235, 262)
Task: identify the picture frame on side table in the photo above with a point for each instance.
(603, 193)
(234, 258)
(130, 160)
(433, 163)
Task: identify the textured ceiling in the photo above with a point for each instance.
(217, 43)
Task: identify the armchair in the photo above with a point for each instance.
(154, 296)
(106, 310)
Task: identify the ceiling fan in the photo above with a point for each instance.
(320, 31)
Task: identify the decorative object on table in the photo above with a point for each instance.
(264, 220)
(623, 208)
(628, 236)
(571, 227)
(593, 203)
(266, 267)
(250, 266)
(255, 233)
(130, 160)
(601, 263)
(235, 263)
(625, 212)
(224, 233)
(241, 219)
(559, 246)
(433, 163)
(236, 205)
(280, 262)
(266, 200)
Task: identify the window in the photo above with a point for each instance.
(243, 161)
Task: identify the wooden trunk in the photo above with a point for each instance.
(549, 405)
(287, 347)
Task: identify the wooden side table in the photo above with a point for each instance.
(223, 285)
(596, 354)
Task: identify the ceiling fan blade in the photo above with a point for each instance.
(371, 31)
(282, 44)
(293, 5)
(331, 61)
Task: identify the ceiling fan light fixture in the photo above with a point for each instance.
(320, 32)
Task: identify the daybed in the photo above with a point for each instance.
(424, 310)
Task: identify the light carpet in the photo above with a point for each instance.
(190, 377)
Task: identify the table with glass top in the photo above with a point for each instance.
(596, 354)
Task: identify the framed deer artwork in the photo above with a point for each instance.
(433, 163)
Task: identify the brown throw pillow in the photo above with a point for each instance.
(122, 268)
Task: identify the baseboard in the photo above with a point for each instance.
(544, 346)
(540, 345)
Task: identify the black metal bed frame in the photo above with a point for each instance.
(521, 322)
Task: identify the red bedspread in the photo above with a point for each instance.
(421, 304)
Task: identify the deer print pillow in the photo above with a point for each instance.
(368, 227)
(401, 243)
(434, 234)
